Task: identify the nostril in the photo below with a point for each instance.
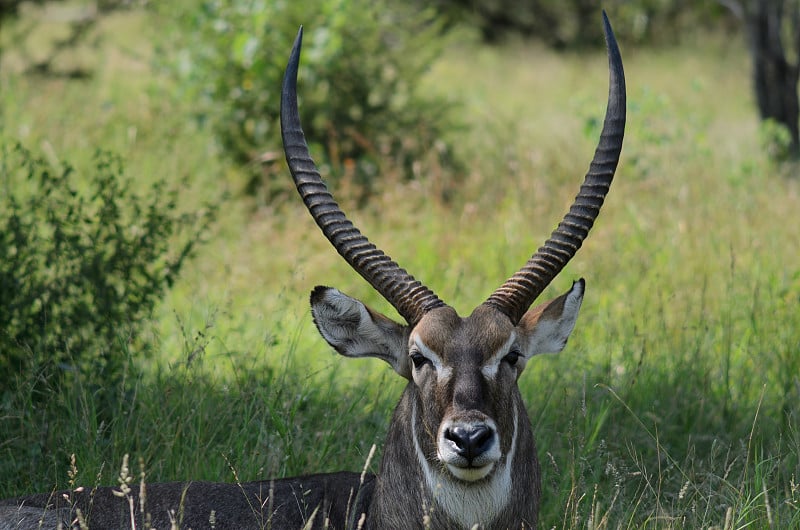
(481, 439)
(470, 441)
(457, 435)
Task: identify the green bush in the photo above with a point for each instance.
(361, 103)
(83, 260)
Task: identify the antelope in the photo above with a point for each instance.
(460, 451)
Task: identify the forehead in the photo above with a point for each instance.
(482, 333)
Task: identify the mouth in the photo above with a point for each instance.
(471, 473)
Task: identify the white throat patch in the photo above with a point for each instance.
(468, 504)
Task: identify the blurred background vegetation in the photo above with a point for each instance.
(155, 265)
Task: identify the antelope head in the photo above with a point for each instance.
(461, 422)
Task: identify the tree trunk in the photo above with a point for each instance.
(775, 78)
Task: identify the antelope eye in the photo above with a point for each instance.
(512, 357)
(419, 360)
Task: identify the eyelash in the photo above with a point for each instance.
(419, 360)
(512, 357)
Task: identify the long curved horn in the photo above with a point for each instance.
(517, 294)
(411, 299)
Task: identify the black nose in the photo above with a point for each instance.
(470, 441)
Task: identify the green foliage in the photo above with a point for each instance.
(776, 140)
(80, 268)
(361, 105)
(69, 26)
(573, 23)
(10, 8)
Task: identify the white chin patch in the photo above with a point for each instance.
(470, 474)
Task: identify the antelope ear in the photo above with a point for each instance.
(546, 327)
(354, 330)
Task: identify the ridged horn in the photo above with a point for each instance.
(517, 294)
(411, 299)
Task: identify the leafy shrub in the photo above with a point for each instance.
(82, 262)
(776, 139)
(361, 102)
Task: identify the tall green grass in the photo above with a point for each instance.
(675, 404)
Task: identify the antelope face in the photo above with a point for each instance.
(463, 372)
